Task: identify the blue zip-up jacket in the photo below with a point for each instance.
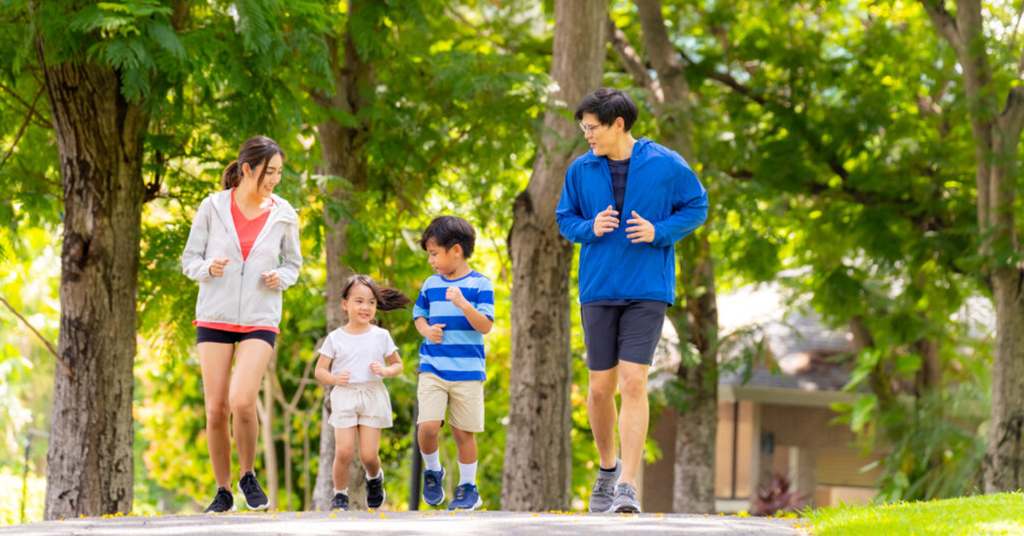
(662, 189)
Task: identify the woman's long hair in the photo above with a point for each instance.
(256, 151)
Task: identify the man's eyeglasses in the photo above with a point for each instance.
(587, 129)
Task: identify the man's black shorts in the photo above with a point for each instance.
(626, 330)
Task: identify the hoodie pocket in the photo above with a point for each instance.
(218, 297)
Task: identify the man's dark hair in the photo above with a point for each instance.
(607, 104)
(448, 231)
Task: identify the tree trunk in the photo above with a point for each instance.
(271, 474)
(307, 477)
(289, 452)
(996, 139)
(697, 421)
(100, 141)
(345, 158)
(697, 324)
(537, 469)
(1005, 468)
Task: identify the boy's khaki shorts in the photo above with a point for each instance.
(464, 401)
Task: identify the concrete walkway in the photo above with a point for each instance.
(429, 522)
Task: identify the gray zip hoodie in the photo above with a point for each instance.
(240, 296)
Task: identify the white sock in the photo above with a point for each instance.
(433, 461)
(467, 473)
(343, 491)
(380, 474)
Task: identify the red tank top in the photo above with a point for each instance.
(247, 231)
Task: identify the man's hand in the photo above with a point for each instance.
(606, 221)
(639, 230)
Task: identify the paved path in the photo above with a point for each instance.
(400, 523)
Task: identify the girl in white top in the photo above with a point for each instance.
(353, 360)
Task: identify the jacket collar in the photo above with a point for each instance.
(280, 211)
(638, 156)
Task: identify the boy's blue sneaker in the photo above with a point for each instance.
(433, 487)
(467, 497)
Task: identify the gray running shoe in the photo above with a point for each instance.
(604, 489)
(625, 500)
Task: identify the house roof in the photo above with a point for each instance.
(806, 354)
(804, 358)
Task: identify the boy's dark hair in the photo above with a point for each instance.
(448, 231)
(388, 299)
(607, 104)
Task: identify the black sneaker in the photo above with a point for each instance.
(255, 499)
(375, 492)
(339, 502)
(223, 502)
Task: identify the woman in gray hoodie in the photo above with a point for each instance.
(243, 250)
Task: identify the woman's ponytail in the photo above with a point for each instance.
(232, 176)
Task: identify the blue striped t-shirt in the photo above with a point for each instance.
(460, 355)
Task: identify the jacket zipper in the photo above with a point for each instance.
(241, 283)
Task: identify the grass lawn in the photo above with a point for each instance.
(984, 514)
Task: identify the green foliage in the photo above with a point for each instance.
(839, 163)
(429, 132)
(28, 283)
(838, 157)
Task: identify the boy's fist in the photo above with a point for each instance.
(454, 295)
(342, 377)
(435, 333)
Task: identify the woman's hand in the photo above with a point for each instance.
(271, 279)
(217, 268)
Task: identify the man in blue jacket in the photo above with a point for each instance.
(626, 274)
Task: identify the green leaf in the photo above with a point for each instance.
(164, 35)
(863, 412)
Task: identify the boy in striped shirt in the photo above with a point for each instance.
(453, 312)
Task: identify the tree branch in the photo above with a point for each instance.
(42, 121)
(944, 23)
(1011, 120)
(152, 190)
(632, 61)
(729, 81)
(22, 129)
(799, 122)
(1013, 38)
(48, 344)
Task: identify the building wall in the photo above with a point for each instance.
(656, 494)
(819, 457)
